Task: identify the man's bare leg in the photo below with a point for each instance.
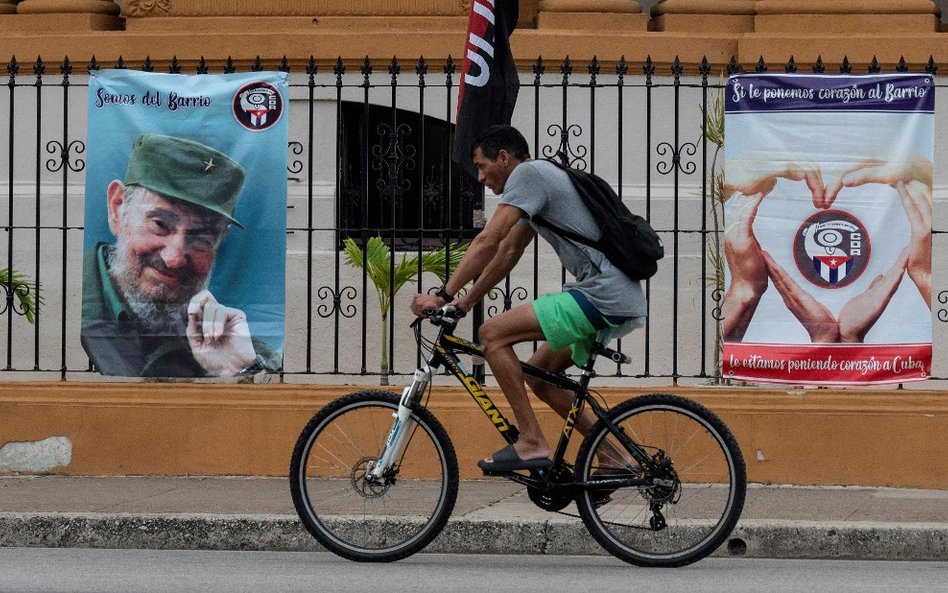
(561, 400)
(498, 337)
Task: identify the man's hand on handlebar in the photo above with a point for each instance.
(446, 315)
(423, 304)
(448, 311)
(452, 310)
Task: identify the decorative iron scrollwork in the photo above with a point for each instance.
(325, 293)
(390, 157)
(717, 295)
(295, 167)
(65, 154)
(507, 294)
(17, 288)
(575, 158)
(432, 191)
(943, 312)
(666, 167)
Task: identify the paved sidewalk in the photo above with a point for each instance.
(491, 516)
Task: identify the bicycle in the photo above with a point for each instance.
(658, 480)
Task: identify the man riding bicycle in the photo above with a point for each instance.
(600, 298)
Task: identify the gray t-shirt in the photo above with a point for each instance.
(541, 188)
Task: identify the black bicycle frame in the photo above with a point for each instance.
(447, 345)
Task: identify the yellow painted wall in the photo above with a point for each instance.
(886, 437)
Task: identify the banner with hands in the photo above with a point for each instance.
(828, 228)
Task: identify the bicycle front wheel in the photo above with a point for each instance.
(686, 507)
(372, 520)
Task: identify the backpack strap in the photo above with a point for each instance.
(558, 229)
(566, 233)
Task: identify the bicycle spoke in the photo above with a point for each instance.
(695, 491)
(349, 510)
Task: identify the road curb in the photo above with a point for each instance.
(757, 539)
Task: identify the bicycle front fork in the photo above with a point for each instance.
(401, 431)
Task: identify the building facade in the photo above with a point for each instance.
(672, 54)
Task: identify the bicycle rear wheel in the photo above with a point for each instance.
(694, 507)
(363, 520)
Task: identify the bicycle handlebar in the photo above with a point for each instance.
(446, 315)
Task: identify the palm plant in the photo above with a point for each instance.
(26, 292)
(387, 282)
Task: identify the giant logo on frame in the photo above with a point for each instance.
(832, 249)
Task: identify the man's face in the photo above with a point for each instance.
(164, 248)
(493, 173)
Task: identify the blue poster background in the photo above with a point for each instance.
(249, 270)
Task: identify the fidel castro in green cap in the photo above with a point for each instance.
(188, 171)
(176, 202)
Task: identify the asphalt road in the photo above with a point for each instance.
(75, 570)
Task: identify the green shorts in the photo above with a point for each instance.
(565, 324)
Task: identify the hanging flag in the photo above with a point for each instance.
(828, 228)
(185, 223)
(489, 83)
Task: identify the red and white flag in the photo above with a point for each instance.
(489, 83)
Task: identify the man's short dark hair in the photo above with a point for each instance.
(501, 137)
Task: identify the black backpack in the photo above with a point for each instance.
(628, 241)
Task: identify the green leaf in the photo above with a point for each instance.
(379, 267)
(714, 117)
(434, 261)
(26, 291)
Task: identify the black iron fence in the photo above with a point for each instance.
(369, 156)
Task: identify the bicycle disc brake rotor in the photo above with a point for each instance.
(668, 488)
(364, 486)
(556, 499)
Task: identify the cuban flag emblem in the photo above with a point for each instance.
(832, 249)
(832, 268)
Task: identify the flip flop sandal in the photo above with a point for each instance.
(507, 460)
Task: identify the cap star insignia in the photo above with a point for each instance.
(208, 165)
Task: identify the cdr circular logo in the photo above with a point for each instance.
(832, 249)
(258, 106)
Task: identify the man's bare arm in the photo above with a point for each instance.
(477, 257)
(505, 258)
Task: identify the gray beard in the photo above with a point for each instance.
(154, 318)
(158, 319)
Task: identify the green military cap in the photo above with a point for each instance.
(186, 170)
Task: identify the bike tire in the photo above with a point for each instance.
(699, 512)
(359, 520)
